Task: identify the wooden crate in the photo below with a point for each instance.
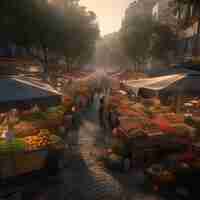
(7, 166)
(28, 162)
(15, 164)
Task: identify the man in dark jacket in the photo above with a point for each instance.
(101, 111)
(114, 119)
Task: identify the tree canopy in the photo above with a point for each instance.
(109, 52)
(81, 33)
(71, 31)
(144, 38)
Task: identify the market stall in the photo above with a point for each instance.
(150, 87)
(147, 129)
(29, 121)
(81, 86)
(154, 135)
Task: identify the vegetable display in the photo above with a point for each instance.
(34, 130)
(15, 145)
(42, 140)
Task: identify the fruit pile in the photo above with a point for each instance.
(54, 139)
(37, 141)
(41, 140)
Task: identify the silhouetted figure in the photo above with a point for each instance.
(67, 122)
(101, 111)
(114, 119)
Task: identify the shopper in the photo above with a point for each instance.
(67, 121)
(114, 119)
(101, 111)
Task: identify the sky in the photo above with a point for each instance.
(109, 13)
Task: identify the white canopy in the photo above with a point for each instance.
(156, 84)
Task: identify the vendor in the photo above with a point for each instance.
(70, 82)
(114, 119)
(67, 122)
(76, 117)
(101, 110)
(122, 85)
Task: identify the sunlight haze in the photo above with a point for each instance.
(109, 13)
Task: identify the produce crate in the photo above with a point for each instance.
(7, 168)
(16, 160)
(28, 162)
(15, 164)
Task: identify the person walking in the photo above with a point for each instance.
(114, 119)
(74, 117)
(66, 127)
(71, 137)
(101, 111)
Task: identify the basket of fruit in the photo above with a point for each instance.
(37, 142)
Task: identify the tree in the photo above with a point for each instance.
(109, 52)
(144, 38)
(27, 24)
(81, 32)
(163, 42)
(71, 32)
(135, 35)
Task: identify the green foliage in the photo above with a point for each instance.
(35, 116)
(189, 121)
(194, 122)
(164, 41)
(58, 109)
(144, 38)
(70, 32)
(110, 52)
(136, 35)
(120, 149)
(13, 146)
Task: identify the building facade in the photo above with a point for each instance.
(189, 34)
(140, 8)
(163, 12)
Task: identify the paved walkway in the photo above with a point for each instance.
(98, 183)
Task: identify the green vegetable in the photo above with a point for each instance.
(120, 149)
(13, 146)
(35, 116)
(148, 112)
(57, 109)
(193, 121)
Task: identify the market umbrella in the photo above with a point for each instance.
(20, 92)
